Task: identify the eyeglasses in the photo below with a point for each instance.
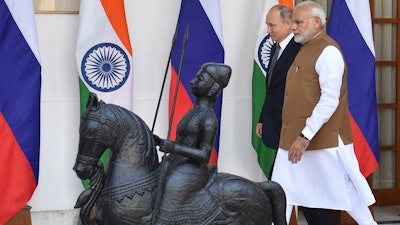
(298, 22)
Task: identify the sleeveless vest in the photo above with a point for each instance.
(302, 93)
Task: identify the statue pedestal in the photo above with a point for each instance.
(23, 217)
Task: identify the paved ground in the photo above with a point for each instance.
(387, 215)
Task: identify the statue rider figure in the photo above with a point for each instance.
(185, 197)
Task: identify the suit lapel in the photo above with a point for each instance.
(282, 59)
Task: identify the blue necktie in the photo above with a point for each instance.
(273, 62)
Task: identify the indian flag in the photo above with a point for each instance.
(266, 156)
(104, 52)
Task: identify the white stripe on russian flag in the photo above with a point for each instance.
(363, 22)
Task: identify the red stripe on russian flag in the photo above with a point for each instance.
(16, 176)
(182, 98)
(360, 144)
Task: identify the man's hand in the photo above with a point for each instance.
(259, 130)
(297, 148)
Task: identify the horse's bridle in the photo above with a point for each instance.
(99, 115)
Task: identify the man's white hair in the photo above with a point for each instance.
(316, 10)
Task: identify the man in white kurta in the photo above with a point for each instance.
(315, 163)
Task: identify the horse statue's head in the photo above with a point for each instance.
(99, 130)
(132, 168)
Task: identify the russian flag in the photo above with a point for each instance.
(350, 25)
(203, 21)
(19, 106)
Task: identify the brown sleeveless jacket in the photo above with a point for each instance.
(302, 93)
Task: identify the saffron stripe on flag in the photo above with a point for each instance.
(19, 106)
(202, 18)
(354, 23)
(289, 3)
(115, 11)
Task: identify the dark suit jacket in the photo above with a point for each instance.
(271, 115)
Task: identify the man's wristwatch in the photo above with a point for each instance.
(302, 136)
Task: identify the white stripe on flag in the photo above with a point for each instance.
(23, 21)
(212, 9)
(358, 10)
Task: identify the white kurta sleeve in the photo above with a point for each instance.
(330, 68)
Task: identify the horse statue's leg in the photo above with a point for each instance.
(87, 198)
(277, 197)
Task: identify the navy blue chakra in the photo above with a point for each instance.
(105, 67)
(264, 51)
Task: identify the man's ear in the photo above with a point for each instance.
(317, 21)
(214, 90)
(288, 23)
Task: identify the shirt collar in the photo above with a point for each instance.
(286, 41)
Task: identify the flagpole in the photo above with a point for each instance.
(164, 163)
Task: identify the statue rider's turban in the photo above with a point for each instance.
(221, 73)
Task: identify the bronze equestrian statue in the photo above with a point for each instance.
(183, 189)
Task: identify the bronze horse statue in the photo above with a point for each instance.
(126, 192)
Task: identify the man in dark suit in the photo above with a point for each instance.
(282, 55)
(279, 25)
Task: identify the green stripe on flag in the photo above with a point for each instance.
(266, 156)
(84, 95)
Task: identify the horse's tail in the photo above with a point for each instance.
(277, 197)
(88, 197)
